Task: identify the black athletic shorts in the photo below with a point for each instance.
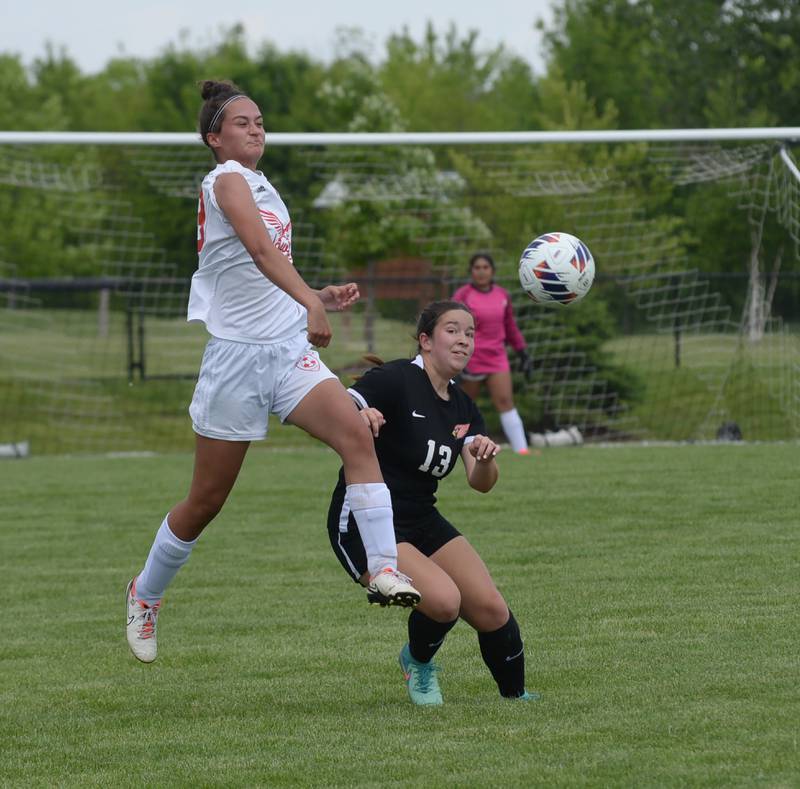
(427, 532)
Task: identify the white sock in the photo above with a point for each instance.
(514, 429)
(167, 555)
(371, 505)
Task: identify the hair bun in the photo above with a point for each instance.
(210, 88)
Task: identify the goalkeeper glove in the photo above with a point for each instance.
(525, 364)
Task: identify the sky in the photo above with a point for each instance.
(92, 31)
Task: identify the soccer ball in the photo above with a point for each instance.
(556, 268)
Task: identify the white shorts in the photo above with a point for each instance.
(241, 384)
(465, 375)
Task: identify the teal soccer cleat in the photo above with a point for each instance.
(423, 687)
(526, 696)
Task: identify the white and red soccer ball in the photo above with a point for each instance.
(556, 268)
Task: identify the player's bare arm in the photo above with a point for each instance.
(236, 201)
(479, 463)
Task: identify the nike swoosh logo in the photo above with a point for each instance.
(130, 619)
(514, 657)
(419, 416)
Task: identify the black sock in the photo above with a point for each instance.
(504, 654)
(425, 635)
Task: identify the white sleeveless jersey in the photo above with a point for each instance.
(229, 293)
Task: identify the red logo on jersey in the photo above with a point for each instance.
(280, 234)
(308, 361)
(459, 431)
(201, 223)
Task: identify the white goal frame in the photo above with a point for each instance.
(788, 134)
(680, 306)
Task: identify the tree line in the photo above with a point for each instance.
(644, 63)
(608, 64)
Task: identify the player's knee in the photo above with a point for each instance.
(490, 614)
(357, 443)
(203, 510)
(442, 606)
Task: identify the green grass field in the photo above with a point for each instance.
(657, 589)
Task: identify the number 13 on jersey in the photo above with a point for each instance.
(445, 454)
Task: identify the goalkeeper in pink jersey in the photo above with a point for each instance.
(494, 329)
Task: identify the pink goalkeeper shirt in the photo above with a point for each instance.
(494, 328)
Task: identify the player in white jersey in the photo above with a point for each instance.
(264, 321)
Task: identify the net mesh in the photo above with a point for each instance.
(687, 329)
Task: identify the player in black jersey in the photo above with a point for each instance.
(422, 423)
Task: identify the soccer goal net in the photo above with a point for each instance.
(689, 333)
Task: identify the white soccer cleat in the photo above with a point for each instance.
(390, 587)
(141, 626)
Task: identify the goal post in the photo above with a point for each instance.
(692, 323)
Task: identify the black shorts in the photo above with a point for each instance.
(427, 533)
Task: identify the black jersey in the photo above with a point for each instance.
(423, 436)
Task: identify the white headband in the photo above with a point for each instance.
(218, 113)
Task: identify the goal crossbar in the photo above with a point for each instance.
(783, 134)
